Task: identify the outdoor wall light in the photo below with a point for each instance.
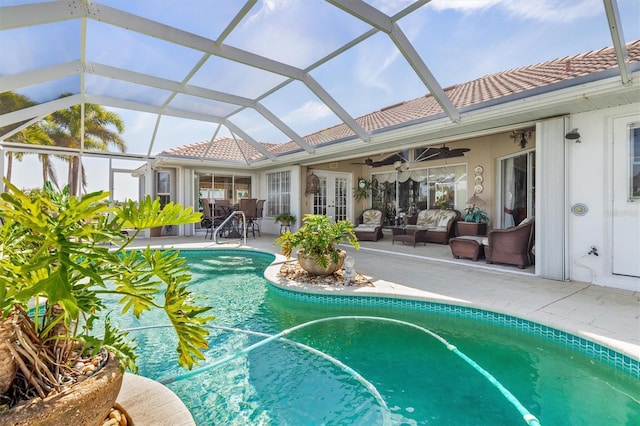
(573, 135)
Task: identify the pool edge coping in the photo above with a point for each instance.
(398, 291)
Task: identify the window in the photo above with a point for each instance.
(407, 192)
(278, 193)
(634, 155)
(163, 187)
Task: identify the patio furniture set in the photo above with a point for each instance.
(514, 245)
(215, 212)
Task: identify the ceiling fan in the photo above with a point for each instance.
(387, 161)
(437, 153)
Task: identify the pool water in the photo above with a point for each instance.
(419, 379)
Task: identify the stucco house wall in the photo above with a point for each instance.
(591, 168)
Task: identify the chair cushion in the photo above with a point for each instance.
(444, 220)
(371, 217)
(437, 228)
(435, 217)
(365, 228)
(480, 240)
(526, 220)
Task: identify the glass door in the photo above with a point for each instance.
(517, 193)
(333, 198)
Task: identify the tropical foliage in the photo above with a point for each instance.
(477, 215)
(64, 129)
(62, 255)
(319, 237)
(285, 218)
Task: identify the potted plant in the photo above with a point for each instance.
(317, 241)
(60, 256)
(475, 222)
(363, 190)
(286, 219)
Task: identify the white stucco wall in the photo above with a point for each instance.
(590, 168)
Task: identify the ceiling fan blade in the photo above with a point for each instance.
(460, 150)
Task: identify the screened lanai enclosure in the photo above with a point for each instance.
(296, 74)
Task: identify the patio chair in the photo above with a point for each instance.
(207, 217)
(249, 206)
(369, 225)
(511, 245)
(258, 218)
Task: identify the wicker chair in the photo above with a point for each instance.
(429, 226)
(512, 245)
(369, 225)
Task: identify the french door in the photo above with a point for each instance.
(334, 197)
(626, 196)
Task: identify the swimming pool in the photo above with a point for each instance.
(408, 377)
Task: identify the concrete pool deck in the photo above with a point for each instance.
(603, 315)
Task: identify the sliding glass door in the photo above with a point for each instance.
(517, 189)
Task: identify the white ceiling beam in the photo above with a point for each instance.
(39, 110)
(137, 106)
(236, 20)
(161, 83)
(165, 84)
(284, 128)
(38, 76)
(334, 106)
(165, 32)
(379, 20)
(615, 27)
(39, 13)
(141, 25)
(248, 139)
(20, 128)
(423, 72)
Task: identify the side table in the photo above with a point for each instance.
(470, 228)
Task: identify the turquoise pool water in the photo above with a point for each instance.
(418, 379)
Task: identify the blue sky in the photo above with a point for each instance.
(459, 40)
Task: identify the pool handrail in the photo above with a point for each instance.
(229, 218)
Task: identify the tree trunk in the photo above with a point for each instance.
(9, 168)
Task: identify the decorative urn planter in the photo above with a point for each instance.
(8, 365)
(85, 403)
(309, 264)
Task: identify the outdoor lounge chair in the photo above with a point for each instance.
(369, 225)
(511, 245)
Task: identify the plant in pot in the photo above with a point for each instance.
(475, 222)
(60, 257)
(363, 190)
(286, 219)
(317, 241)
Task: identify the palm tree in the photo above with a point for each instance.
(33, 135)
(64, 128)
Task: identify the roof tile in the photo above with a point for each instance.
(482, 89)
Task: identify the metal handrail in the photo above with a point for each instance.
(224, 223)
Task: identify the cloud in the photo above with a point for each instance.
(390, 7)
(538, 10)
(309, 111)
(269, 7)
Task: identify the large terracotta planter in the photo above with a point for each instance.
(86, 403)
(309, 264)
(8, 365)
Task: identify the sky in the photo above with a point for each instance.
(459, 40)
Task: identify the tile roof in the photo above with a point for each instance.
(487, 88)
